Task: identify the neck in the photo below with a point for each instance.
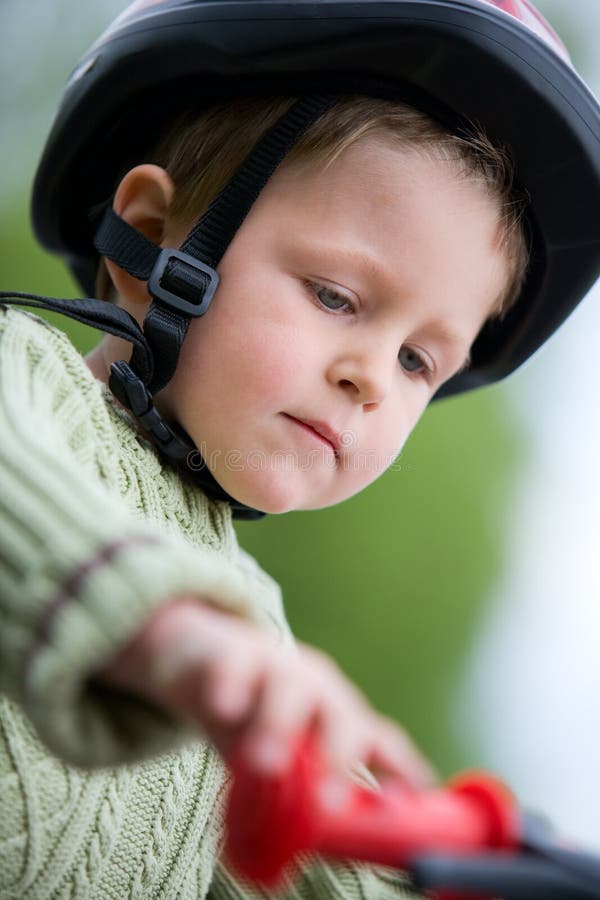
(109, 350)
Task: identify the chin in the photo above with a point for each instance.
(272, 493)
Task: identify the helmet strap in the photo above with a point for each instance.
(182, 282)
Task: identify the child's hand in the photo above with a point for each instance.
(247, 693)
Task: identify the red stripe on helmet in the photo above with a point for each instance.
(525, 12)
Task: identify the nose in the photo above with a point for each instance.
(366, 374)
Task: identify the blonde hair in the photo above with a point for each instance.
(202, 150)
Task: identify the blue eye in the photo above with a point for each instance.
(411, 361)
(330, 299)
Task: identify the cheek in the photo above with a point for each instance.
(241, 361)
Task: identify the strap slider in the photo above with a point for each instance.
(186, 275)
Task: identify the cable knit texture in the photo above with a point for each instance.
(102, 795)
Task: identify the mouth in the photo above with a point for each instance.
(327, 435)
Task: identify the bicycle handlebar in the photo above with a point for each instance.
(468, 835)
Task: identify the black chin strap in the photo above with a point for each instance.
(182, 283)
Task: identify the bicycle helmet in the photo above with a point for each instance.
(495, 61)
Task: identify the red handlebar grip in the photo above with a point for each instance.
(271, 820)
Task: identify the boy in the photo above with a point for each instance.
(339, 289)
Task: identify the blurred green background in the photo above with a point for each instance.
(395, 582)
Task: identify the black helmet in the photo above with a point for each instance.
(494, 61)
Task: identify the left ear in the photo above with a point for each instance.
(142, 200)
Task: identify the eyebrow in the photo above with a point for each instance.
(360, 259)
(366, 262)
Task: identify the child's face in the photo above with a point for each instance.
(346, 299)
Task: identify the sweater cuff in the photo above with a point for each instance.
(98, 609)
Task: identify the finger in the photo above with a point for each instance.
(392, 752)
(285, 705)
(302, 694)
(229, 688)
(343, 722)
(341, 735)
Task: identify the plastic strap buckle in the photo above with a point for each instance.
(163, 295)
(131, 391)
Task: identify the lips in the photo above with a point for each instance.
(322, 429)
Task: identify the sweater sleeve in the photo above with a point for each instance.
(78, 571)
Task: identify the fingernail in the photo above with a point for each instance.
(269, 754)
(422, 777)
(334, 793)
(227, 701)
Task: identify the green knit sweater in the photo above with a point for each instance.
(101, 795)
